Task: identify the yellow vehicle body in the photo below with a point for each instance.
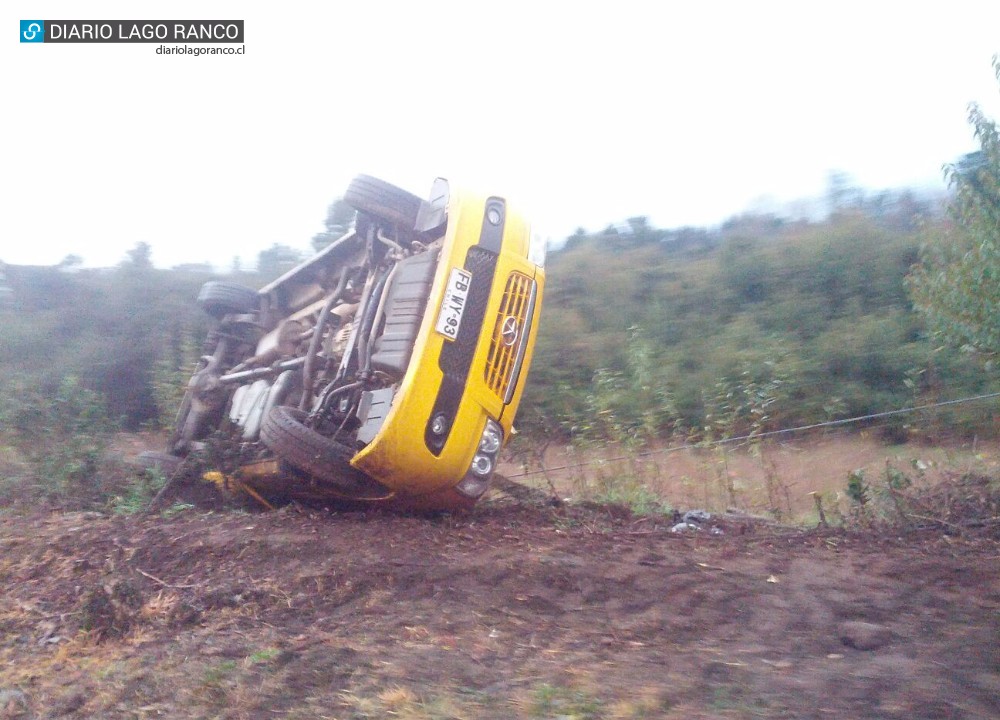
(398, 457)
(389, 366)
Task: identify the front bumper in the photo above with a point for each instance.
(453, 386)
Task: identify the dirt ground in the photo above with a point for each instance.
(516, 611)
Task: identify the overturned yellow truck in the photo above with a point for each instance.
(388, 367)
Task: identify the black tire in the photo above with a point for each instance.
(284, 433)
(373, 196)
(218, 298)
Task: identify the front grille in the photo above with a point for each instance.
(510, 335)
(456, 357)
(455, 360)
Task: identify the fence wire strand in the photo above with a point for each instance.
(760, 435)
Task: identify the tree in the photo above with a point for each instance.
(70, 263)
(277, 260)
(140, 258)
(957, 286)
(339, 217)
(841, 193)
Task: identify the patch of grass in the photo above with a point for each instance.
(550, 701)
(735, 701)
(636, 496)
(217, 673)
(216, 684)
(402, 702)
(138, 494)
(639, 708)
(60, 437)
(176, 509)
(564, 522)
(262, 656)
(626, 480)
(962, 504)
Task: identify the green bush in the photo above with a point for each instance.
(642, 341)
(62, 438)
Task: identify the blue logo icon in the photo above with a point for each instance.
(32, 31)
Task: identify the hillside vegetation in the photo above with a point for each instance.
(760, 324)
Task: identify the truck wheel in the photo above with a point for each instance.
(303, 448)
(388, 202)
(219, 298)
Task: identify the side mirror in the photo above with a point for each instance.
(433, 212)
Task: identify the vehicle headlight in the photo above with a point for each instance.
(538, 244)
(482, 465)
(477, 479)
(492, 438)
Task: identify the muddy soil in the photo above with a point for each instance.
(515, 611)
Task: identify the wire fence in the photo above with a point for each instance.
(762, 435)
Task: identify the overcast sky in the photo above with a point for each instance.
(589, 113)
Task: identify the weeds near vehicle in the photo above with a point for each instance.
(172, 371)
(217, 683)
(402, 702)
(858, 491)
(224, 450)
(549, 701)
(786, 482)
(629, 482)
(630, 411)
(653, 706)
(965, 503)
(633, 493)
(176, 509)
(138, 493)
(827, 509)
(742, 406)
(779, 499)
(61, 438)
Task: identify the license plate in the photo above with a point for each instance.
(456, 294)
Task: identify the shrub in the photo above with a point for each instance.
(62, 438)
